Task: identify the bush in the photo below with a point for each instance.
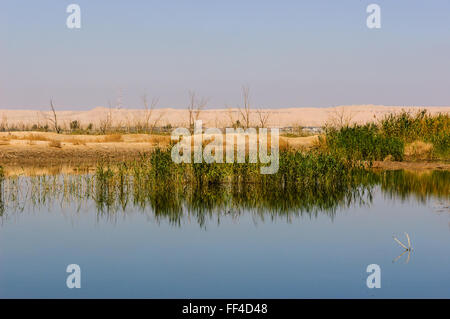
(363, 142)
(74, 125)
(419, 126)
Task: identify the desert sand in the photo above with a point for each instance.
(284, 117)
(37, 149)
(32, 153)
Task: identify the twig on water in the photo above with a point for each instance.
(407, 249)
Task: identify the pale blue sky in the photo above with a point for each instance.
(291, 53)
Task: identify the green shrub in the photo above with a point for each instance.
(420, 126)
(363, 142)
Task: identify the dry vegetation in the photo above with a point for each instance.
(113, 138)
(410, 137)
(419, 150)
(55, 143)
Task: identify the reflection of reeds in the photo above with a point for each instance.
(304, 184)
(404, 184)
(168, 189)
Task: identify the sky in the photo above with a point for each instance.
(314, 53)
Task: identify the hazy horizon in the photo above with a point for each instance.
(59, 108)
(291, 54)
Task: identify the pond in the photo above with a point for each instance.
(225, 241)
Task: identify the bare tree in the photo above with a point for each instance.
(230, 116)
(106, 123)
(156, 121)
(191, 108)
(340, 117)
(4, 123)
(195, 107)
(54, 120)
(201, 105)
(263, 117)
(149, 112)
(245, 110)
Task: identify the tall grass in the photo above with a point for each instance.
(389, 137)
(363, 142)
(296, 170)
(420, 126)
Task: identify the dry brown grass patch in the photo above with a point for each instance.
(419, 150)
(55, 143)
(76, 141)
(160, 140)
(113, 138)
(34, 137)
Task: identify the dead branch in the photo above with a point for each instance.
(263, 117)
(245, 110)
(54, 120)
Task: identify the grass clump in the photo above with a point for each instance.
(76, 141)
(363, 142)
(113, 138)
(420, 127)
(418, 136)
(419, 150)
(55, 143)
(35, 137)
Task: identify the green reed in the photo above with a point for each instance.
(305, 183)
(363, 142)
(388, 137)
(403, 184)
(283, 195)
(420, 126)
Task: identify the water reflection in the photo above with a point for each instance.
(399, 256)
(175, 201)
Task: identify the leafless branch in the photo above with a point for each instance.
(54, 120)
(245, 110)
(149, 113)
(195, 107)
(263, 117)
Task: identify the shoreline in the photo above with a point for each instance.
(72, 153)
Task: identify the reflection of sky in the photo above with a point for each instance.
(294, 53)
(310, 257)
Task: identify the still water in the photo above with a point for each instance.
(226, 246)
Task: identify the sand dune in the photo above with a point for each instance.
(284, 117)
